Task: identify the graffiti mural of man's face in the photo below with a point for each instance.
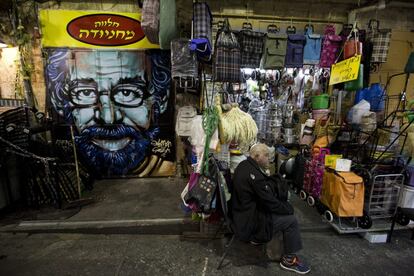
(110, 105)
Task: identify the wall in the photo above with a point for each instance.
(118, 101)
(9, 78)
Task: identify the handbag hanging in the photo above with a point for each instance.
(380, 39)
(312, 50)
(203, 192)
(251, 44)
(352, 45)
(294, 52)
(227, 56)
(330, 47)
(274, 49)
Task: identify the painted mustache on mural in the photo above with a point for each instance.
(115, 150)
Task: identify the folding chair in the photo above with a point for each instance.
(230, 226)
(231, 242)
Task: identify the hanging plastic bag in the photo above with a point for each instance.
(183, 61)
(357, 111)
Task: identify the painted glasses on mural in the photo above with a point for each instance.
(115, 107)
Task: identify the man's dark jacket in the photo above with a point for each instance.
(255, 198)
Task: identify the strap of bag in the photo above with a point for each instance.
(247, 26)
(373, 24)
(308, 29)
(356, 40)
(272, 28)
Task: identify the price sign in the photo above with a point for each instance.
(345, 70)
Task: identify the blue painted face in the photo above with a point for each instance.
(108, 99)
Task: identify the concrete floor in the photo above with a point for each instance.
(134, 198)
(153, 199)
(79, 254)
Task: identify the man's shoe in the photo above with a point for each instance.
(295, 265)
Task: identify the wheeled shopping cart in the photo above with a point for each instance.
(382, 194)
(312, 184)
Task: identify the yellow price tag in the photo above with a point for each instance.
(345, 70)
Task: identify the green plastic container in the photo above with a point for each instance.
(358, 83)
(320, 101)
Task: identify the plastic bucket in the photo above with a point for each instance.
(320, 101)
(320, 114)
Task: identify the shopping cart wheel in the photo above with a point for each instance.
(365, 222)
(320, 207)
(302, 195)
(311, 201)
(402, 219)
(328, 215)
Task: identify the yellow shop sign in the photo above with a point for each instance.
(88, 29)
(345, 70)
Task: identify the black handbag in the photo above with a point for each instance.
(203, 193)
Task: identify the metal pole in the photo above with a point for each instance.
(76, 160)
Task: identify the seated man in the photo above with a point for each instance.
(260, 208)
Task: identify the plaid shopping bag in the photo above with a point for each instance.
(227, 64)
(227, 56)
(251, 44)
(380, 39)
(202, 20)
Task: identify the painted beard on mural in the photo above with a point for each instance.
(108, 98)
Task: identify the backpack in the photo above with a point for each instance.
(150, 20)
(184, 121)
(168, 23)
(227, 56)
(330, 46)
(294, 52)
(251, 44)
(274, 51)
(312, 50)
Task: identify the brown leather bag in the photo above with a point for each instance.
(352, 46)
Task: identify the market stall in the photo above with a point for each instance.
(336, 137)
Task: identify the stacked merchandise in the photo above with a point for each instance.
(286, 101)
